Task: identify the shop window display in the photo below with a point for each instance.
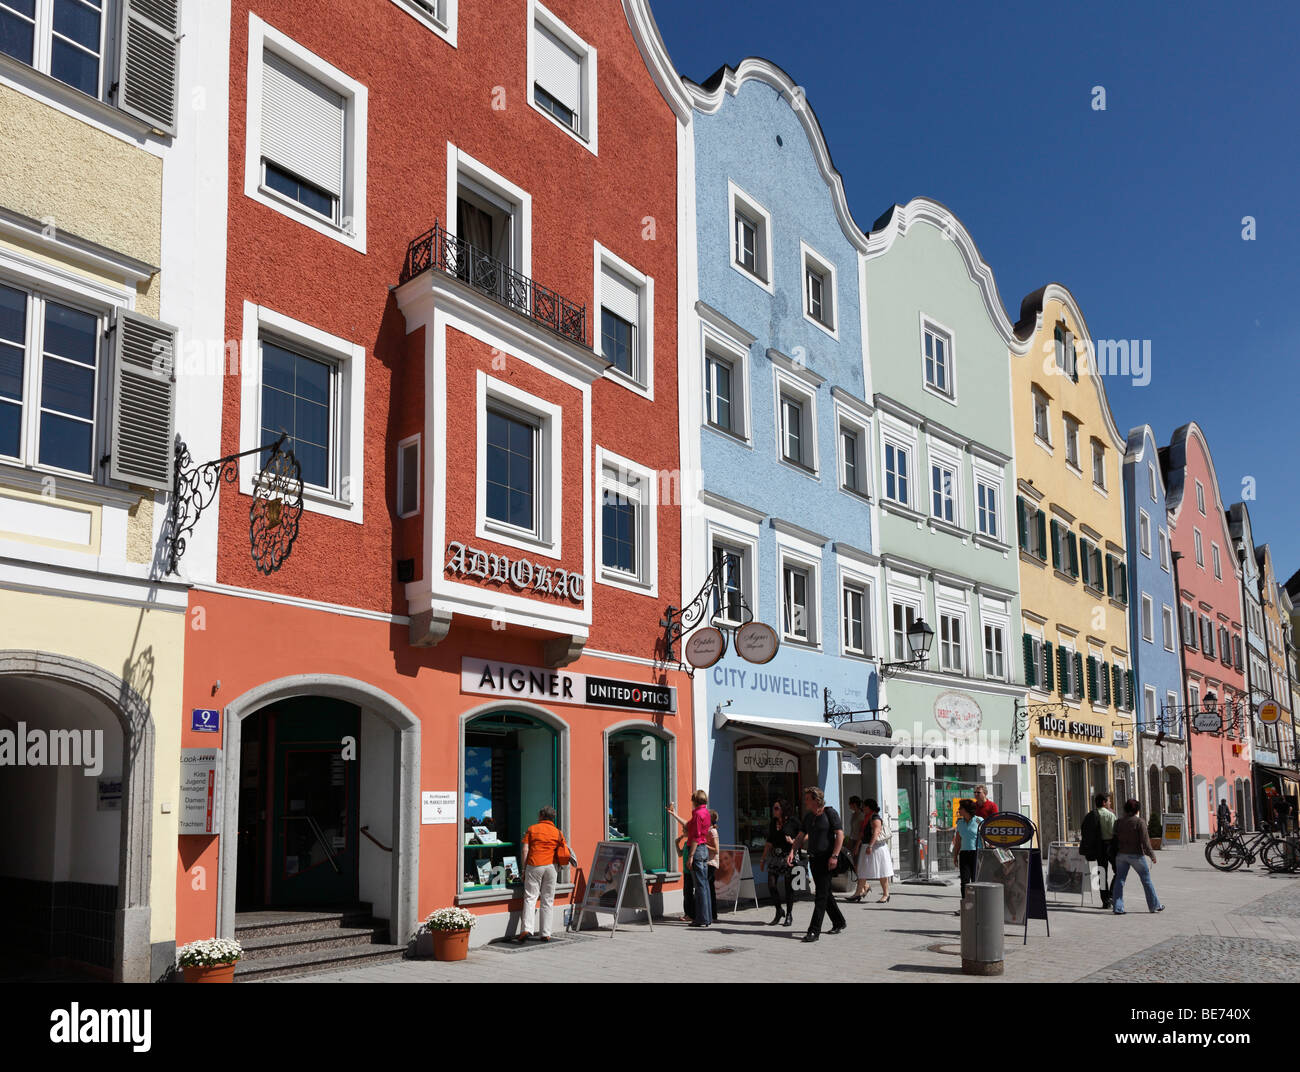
(511, 771)
(638, 795)
(763, 776)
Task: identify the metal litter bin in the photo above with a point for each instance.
(982, 929)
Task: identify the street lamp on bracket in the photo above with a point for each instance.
(919, 638)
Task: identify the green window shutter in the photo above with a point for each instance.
(1085, 558)
(1117, 684)
(1030, 678)
(1129, 689)
(1063, 670)
(1110, 575)
(1092, 678)
(1022, 522)
(1123, 583)
(1073, 542)
(1041, 550)
(1056, 544)
(1103, 679)
(1078, 675)
(148, 67)
(1048, 683)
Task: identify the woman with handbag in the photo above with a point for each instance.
(698, 839)
(877, 862)
(776, 852)
(543, 848)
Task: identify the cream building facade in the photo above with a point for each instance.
(1073, 570)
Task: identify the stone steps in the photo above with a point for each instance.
(285, 943)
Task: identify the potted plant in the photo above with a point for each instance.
(1154, 832)
(209, 960)
(449, 929)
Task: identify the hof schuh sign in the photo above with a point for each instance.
(489, 678)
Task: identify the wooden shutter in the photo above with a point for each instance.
(302, 125)
(148, 67)
(1056, 544)
(557, 69)
(1130, 681)
(1041, 535)
(1092, 678)
(1073, 542)
(1085, 556)
(1022, 522)
(1048, 683)
(1117, 676)
(1078, 676)
(1103, 680)
(144, 401)
(1031, 677)
(1063, 670)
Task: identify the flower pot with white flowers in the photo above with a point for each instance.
(449, 929)
(210, 960)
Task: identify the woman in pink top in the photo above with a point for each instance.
(697, 835)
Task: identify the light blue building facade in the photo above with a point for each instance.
(777, 419)
(1154, 631)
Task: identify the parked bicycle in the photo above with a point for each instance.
(1229, 849)
(1282, 854)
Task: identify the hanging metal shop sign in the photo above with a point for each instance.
(1006, 830)
(704, 647)
(520, 573)
(757, 642)
(1269, 712)
(1207, 722)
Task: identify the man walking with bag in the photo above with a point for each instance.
(824, 834)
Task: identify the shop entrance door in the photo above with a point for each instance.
(912, 808)
(298, 809)
(952, 784)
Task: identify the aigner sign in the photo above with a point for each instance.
(490, 678)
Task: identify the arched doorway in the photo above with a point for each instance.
(638, 788)
(75, 820)
(314, 764)
(1200, 799)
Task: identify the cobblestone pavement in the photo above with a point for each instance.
(1217, 927)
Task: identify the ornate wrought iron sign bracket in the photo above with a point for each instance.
(837, 714)
(272, 518)
(677, 623)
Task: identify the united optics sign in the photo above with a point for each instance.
(541, 685)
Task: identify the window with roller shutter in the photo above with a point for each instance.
(303, 131)
(623, 334)
(563, 76)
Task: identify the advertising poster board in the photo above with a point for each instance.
(615, 880)
(1018, 870)
(1010, 869)
(735, 877)
(1067, 870)
(200, 810)
(1172, 829)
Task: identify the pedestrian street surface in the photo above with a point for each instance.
(1222, 928)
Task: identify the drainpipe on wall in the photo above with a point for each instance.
(1250, 692)
(1174, 557)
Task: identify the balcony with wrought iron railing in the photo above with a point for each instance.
(441, 251)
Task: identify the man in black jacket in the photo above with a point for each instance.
(1096, 841)
(824, 834)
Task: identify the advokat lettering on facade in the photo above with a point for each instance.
(520, 573)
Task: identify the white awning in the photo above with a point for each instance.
(1054, 745)
(801, 728)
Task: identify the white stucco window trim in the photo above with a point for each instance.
(939, 453)
(996, 619)
(351, 231)
(444, 24)
(854, 421)
(824, 266)
(928, 322)
(347, 434)
(546, 540)
(737, 353)
(897, 434)
(851, 573)
(461, 165)
(415, 440)
(737, 201)
(646, 579)
(801, 554)
(642, 382)
(586, 135)
(739, 535)
(808, 461)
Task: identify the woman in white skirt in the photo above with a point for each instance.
(874, 860)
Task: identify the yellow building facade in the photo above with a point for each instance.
(1079, 709)
(92, 632)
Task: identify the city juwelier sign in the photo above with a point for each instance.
(487, 677)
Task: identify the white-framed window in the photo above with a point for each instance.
(1098, 465)
(1200, 550)
(1194, 696)
(952, 642)
(305, 143)
(1151, 481)
(1071, 681)
(1149, 707)
(491, 214)
(988, 501)
(1148, 618)
(820, 294)
(440, 16)
(854, 454)
(1164, 550)
(519, 437)
(561, 76)
(898, 473)
(798, 598)
(1200, 498)
(1144, 533)
(1042, 418)
(627, 525)
(1063, 347)
(625, 298)
(1071, 441)
(726, 384)
(855, 617)
(796, 422)
(903, 614)
(943, 492)
(751, 237)
(53, 387)
(1167, 623)
(937, 358)
(309, 385)
(995, 644)
(408, 476)
(735, 559)
(1173, 722)
(66, 39)
(1218, 565)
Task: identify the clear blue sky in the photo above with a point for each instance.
(1137, 209)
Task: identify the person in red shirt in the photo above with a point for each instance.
(985, 809)
(699, 839)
